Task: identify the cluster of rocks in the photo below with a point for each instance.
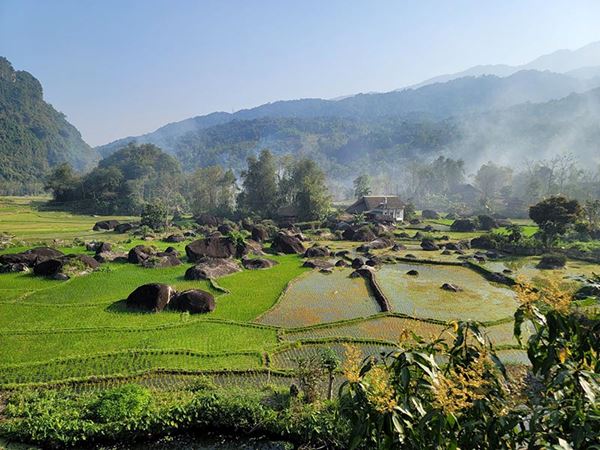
(150, 257)
(47, 262)
(155, 297)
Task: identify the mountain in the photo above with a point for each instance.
(432, 102)
(33, 136)
(560, 61)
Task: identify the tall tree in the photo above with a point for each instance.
(259, 194)
(63, 182)
(211, 190)
(362, 185)
(312, 198)
(554, 215)
(491, 178)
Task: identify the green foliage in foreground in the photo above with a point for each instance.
(409, 401)
(59, 419)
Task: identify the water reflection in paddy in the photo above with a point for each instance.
(422, 296)
(317, 298)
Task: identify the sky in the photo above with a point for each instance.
(121, 68)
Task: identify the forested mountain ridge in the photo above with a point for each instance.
(34, 137)
(344, 146)
(435, 102)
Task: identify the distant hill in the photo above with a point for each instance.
(561, 61)
(33, 135)
(348, 133)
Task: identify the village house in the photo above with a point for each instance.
(385, 208)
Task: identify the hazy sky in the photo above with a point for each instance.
(126, 67)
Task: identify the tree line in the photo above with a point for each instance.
(138, 175)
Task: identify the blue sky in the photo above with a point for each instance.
(126, 67)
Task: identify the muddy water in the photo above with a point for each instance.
(421, 296)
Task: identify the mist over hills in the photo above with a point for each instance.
(478, 118)
(547, 106)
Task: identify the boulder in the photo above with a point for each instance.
(357, 263)
(123, 228)
(413, 273)
(225, 229)
(253, 247)
(59, 277)
(193, 301)
(139, 254)
(341, 263)
(342, 226)
(429, 214)
(48, 267)
(171, 250)
(258, 263)
(317, 264)
(316, 252)
(552, 262)
(410, 256)
(208, 219)
(381, 243)
(111, 257)
(214, 246)
(497, 277)
(364, 234)
(326, 270)
(450, 287)
(453, 246)
(207, 267)
(588, 290)
(372, 262)
(103, 247)
(286, 243)
(161, 261)
(86, 260)
(348, 234)
(150, 297)
(14, 267)
(398, 247)
(342, 253)
(18, 258)
(463, 225)
(429, 245)
(446, 252)
(259, 233)
(105, 225)
(483, 242)
(174, 238)
(404, 235)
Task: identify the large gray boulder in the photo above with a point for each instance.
(206, 268)
(286, 243)
(105, 225)
(258, 263)
(215, 246)
(152, 297)
(194, 301)
(140, 253)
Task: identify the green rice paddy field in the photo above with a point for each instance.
(54, 332)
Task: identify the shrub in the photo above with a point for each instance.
(155, 216)
(121, 403)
